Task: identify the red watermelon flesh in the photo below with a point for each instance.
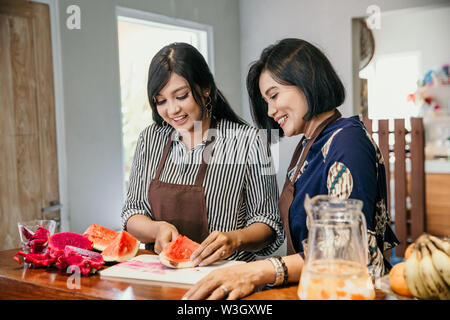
(100, 236)
(178, 252)
(122, 248)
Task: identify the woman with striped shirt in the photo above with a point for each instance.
(199, 170)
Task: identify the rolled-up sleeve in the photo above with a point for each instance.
(261, 192)
(135, 201)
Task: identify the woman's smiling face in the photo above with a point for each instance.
(177, 106)
(286, 104)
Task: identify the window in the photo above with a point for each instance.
(390, 78)
(140, 36)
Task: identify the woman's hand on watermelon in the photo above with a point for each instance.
(220, 245)
(165, 234)
(217, 246)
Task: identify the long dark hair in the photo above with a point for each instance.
(295, 62)
(187, 62)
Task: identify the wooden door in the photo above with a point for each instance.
(28, 153)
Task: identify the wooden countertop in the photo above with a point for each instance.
(21, 282)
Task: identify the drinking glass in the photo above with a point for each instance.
(27, 228)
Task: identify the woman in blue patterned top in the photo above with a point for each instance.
(294, 88)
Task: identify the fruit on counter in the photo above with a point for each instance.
(443, 245)
(37, 241)
(397, 280)
(412, 276)
(177, 253)
(441, 261)
(100, 236)
(58, 242)
(36, 259)
(426, 277)
(86, 260)
(409, 250)
(434, 283)
(64, 249)
(122, 248)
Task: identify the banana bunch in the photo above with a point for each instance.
(427, 270)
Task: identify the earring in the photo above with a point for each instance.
(208, 106)
(164, 124)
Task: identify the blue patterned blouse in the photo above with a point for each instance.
(345, 162)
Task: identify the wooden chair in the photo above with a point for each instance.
(408, 207)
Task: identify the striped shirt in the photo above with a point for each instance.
(240, 182)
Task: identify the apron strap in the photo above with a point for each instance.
(201, 173)
(202, 169)
(296, 154)
(164, 155)
(336, 115)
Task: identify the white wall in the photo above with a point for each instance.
(426, 30)
(90, 67)
(325, 23)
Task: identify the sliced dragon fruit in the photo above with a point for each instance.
(26, 232)
(55, 248)
(41, 233)
(37, 241)
(38, 245)
(59, 241)
(37, 259)
(88, 261)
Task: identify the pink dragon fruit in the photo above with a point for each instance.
(65, 249)
(59, 241)
(84, 259)
(37, 241)
(37, 259)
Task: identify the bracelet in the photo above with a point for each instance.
(285, 271)
(281, 276)
(278, 272)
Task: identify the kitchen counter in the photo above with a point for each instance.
(22, 283)
(440, 166)
(437, 166)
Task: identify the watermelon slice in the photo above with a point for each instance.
(122, 248)
(100, 236)
(178, 252)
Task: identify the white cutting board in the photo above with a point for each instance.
(146, 268)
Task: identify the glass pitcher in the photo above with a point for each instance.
(336, 255)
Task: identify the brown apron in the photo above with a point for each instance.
(184, 206)
(287, 195)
